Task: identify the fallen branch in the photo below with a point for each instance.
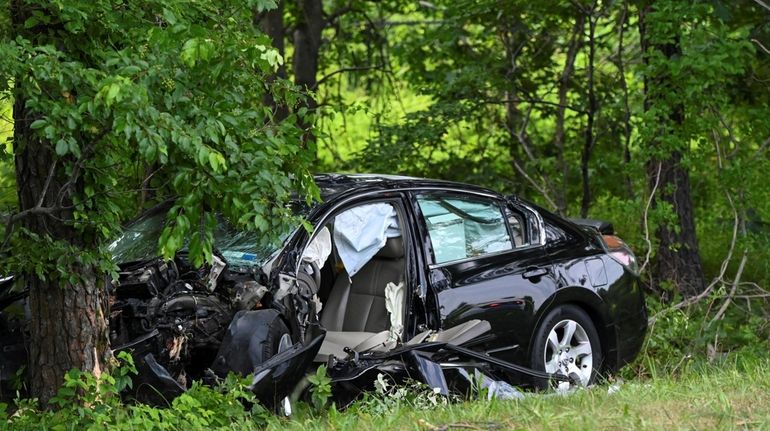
(719, 278)
(728, 300)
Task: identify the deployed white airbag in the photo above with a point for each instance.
(319, 249)
(361, 232)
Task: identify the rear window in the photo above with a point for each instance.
(462, 228)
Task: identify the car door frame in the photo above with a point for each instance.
(536, 247)
(412, 253)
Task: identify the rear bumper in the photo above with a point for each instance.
(631, 333)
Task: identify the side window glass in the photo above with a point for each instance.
(518, 227)
(460, 228)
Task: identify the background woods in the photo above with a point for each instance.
(651, 113)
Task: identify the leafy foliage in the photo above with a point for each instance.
(321, 388)
(89, 402)
(164, 96)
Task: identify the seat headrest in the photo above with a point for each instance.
(393, 249)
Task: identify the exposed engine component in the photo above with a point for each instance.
(177, 313)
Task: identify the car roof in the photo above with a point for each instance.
(334, 185)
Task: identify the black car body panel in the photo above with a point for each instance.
(184, 323)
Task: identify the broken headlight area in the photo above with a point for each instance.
(173, 317)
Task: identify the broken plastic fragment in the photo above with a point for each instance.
(217, 266)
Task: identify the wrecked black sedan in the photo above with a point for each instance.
(445, 283)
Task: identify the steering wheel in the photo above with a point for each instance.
(312, 280)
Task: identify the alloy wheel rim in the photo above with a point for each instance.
(568, 350)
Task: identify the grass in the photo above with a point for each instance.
(726, 396)
(731, 394)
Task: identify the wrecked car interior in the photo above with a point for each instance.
(353, 295)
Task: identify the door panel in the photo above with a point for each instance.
(504, 289)
(485, 265)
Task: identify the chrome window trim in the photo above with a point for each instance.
(345, 201)
(539, 218)
(348, 199)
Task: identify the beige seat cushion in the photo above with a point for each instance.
(355, 314)
(358, 304)
(335, 342)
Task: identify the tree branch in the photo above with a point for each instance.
(763, 4)
(346, 69)
(534, 101)
(761, 46)
(331, 17)
(645, 219)
(534, 183)
(730, 295)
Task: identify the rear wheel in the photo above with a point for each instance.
(566, 343)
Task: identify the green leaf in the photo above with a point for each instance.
(169, 16)
(62, 147)
(38, 124)
(217, 162)
(263, 5)
(195, 50)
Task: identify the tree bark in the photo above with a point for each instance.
(68, 327)
(678, 260)
(307, 43)
(588, 144)
(626, 105)
(272, 24)
(564, 86)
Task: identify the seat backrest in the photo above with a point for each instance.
(359, 305)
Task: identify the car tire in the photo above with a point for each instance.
(276, 334)
(566, 342)
(252, 338)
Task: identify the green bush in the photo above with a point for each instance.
(86, 402)
(683, 338)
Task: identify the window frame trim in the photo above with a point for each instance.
(491, 199)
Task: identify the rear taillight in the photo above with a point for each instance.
(618, 250)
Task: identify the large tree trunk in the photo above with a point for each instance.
(677, 261)
(565, 81)
(271, 23)
(588, 145)
(68, 318)
(68, 330)
(307, 43)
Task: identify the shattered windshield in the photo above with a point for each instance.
(239, 248)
